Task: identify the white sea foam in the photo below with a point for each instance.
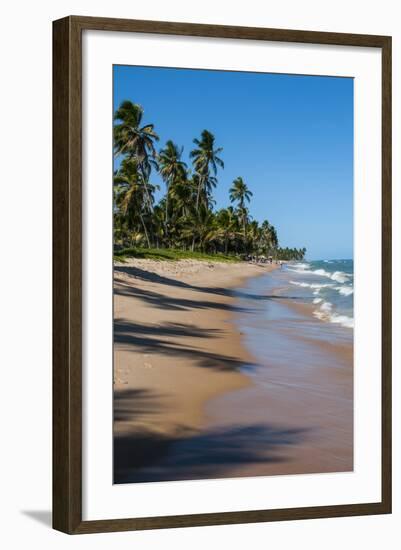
(343, 320)
(325, 313)
(312, 285)
(337, 281)
(298, 268)
(338, 276)
(345, 290)
(326, 307)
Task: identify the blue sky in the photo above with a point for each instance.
(290, 137)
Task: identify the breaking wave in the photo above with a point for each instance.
(331, 291)
(325, 313)
(338, 276)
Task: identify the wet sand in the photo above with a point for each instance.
(302, 390)
(210, 383)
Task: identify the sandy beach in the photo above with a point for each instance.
(175, 348)
(188, 403)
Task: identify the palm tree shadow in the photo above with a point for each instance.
(163, 338)
(136, 404)
(146, 457)
(143, 455)
(174, 303)
(152, 277)
(164, 301)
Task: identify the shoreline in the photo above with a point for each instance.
(297, 415)
(196, 398)
(177, 347)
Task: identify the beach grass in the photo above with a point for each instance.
(171, 254)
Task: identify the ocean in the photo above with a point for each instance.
(329, 284)
(290, 315)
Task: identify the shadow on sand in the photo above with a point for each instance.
(155, 339)
(165, 302)
(145, 457)
(142, 455)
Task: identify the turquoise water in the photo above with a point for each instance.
(288, 313)
(329, 284)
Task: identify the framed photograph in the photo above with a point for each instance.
(222, 275)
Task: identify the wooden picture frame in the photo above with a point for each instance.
(67, 274)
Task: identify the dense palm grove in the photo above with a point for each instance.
(185, 217)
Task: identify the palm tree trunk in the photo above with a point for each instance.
(166, 214)
(197, 197)
(145, 180)
(150, 206)
(199, 192)
(144, 228)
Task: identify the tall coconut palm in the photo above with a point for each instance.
(255, 237)
(131, 191)
(273, 238)
(135, 141)
(205, 160)
(158, 225)
(130, 138)
(182, 195)
(268, 237)
(240, 193)
(200, 225)
(227, 224)
(172, 169)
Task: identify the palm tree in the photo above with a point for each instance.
(135, 141)
(172, 169)
(205, 160)
(130, 190)
(184, 217)
(158, 225)
(227, 225)
(254, 235)
(200, 225)
(182, 195)
(129, 137)
(273, 237)
(268, 237)
(240, 193)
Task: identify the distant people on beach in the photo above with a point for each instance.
(262, 260)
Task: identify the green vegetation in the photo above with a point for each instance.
(184, 223)
(171, 254)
